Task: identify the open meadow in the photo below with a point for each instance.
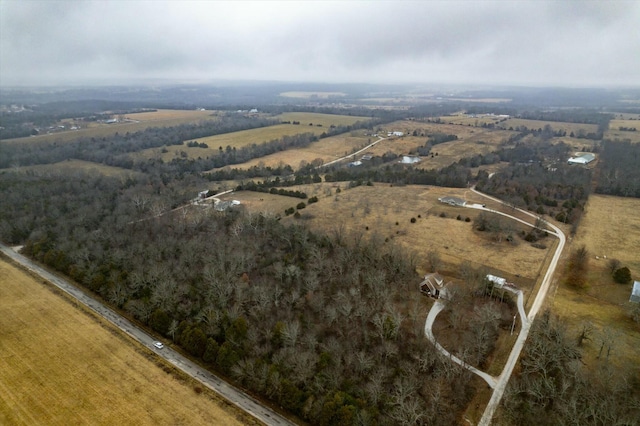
(555, 125)
(326, 149)
(61, 364)
(312, 95)
(381, 206)
(68, 167)
(608, 228)
(616, 130)
(132, 123)
(324, 120)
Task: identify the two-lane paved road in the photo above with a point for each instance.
(234, 395)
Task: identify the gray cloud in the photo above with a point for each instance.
(560, 43)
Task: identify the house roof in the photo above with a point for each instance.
(452, 200)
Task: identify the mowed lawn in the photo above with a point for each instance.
(60, 365)
(138, 122)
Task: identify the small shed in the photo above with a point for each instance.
(635, 292)
(497, 281)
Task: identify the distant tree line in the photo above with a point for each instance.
(619, 170)
(558, 189)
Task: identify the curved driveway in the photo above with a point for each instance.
(498, 391)
(226, 390)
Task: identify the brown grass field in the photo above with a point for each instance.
(379, 207)
(309, 95)
(465, 120)
(471, 141)
(609, 228)
(614, 131)
(160, 118)
(325, 120)
(62, 365)
(71, 166)
(247, 137)
(326, 149)
(555, 125)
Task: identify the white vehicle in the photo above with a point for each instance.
(158, 345)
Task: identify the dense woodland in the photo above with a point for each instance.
(554, 386)
(328, 326)
(619, 171)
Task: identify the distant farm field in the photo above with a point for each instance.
(614, 131)
(555, 125)
(326, 149)
(135, 123)
(60, 365)
(68, 167)
(325, 120)
(310, 95)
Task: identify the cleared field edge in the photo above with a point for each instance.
(159, 362)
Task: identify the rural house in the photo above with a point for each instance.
(453, 201)
(432, 284)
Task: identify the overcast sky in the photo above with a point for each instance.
(568, 43)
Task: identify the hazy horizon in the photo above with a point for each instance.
(524, 44)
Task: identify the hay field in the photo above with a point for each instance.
(466, 120)
(555, 125)
(326, 149)
(610, 320)
(610, 227)
(61, 365)
(161, 118)
(236, 140)
(309, 95)
(324, 120)
(614, 131)
(71, 166)
(379, 207)
(192, 116)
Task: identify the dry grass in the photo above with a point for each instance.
(608, 228)
(379, 207)
(466, 120)
(192, 116)
(325, 120)
(61, 365)
(555, 125)
(326, 149)
(614, 131)
(70, 166)
(309, 95)
(161, 118)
